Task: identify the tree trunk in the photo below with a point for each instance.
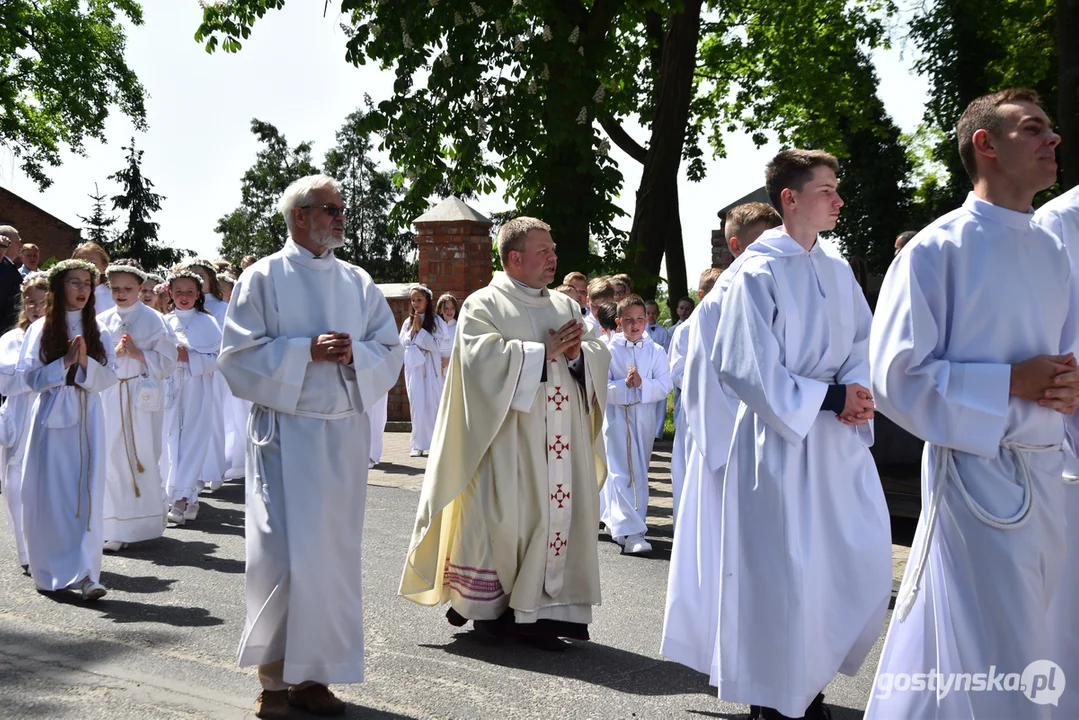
(656, 221)
(1067, 13)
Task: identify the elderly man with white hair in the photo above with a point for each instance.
(311, 342)
(506, 528)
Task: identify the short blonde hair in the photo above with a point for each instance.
(747, 215)
(600, 288)
(573, 277)
(708, 281)
(512, 235)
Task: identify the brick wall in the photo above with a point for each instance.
(721, 252)
(55, 237)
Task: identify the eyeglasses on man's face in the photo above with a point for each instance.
(334, 211)
(77, 285)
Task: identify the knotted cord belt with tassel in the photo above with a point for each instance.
(127, 426)
(84, 468)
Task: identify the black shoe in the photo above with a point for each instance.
(26, 570)
(817, 710)
(455, 618)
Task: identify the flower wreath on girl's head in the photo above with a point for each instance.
(64, 265)
(129, 269)
(34, 276)
(179, 274)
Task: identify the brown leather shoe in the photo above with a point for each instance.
(317, 700)
(272, 704)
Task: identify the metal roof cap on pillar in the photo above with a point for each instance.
(452, 209)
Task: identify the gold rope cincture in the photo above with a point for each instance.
(127, 422)
(84, 431)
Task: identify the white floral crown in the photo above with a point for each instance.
(64, 265)
(35, 275)
(129, 269)
(184, 274)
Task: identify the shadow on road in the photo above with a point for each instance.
(394, 469)
(589, 662)
(171, 551)
(129, 611)
(145, 584)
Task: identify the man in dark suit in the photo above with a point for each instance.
(10, 278)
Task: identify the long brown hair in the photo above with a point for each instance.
(54, 337)
(427, 322)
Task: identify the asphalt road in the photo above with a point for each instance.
(163, 643)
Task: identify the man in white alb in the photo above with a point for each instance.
(971, 351)
(307, 450)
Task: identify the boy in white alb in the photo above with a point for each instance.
(639, 376)
(659, 335)
(805, 549)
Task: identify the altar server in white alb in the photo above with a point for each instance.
(660, 337)
(691, 620)
(1060, 216)
(68, 359)
(146, 354)
(506, 527)
(639, 377)
(423, 368)
(189, 395)
(15, 412)
(310, 340)
(971, 351)
(806, 557)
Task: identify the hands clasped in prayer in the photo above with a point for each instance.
(566, 340)
(633, 378)
(126, 346)
(332, 347)
(1051, 381)
(76, 352)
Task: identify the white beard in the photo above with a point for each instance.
(327, 241)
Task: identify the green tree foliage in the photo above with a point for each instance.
(970, 48)
(62, 70)
(139, 202)
(369, 194)
(99, 223)
(256, 228)
(510, 90)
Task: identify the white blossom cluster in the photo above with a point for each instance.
(477, 9)
(547, 34)
(601, 92)
(582, 117)
(575, 35)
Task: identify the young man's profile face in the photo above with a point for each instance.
(1026, 146)
(632, 321)
(817, 203)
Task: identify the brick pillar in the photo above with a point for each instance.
(721, 252)
(454, 244)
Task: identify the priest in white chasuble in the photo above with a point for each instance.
(972, 350)
(506, 527)
(311, 342)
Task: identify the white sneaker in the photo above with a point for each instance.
(636, 544)
(113, 546)
(416, 453)
(175, 516)
(371, 465)
(191, 512)
(620, 540)
(92, 590)
(216, 485)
